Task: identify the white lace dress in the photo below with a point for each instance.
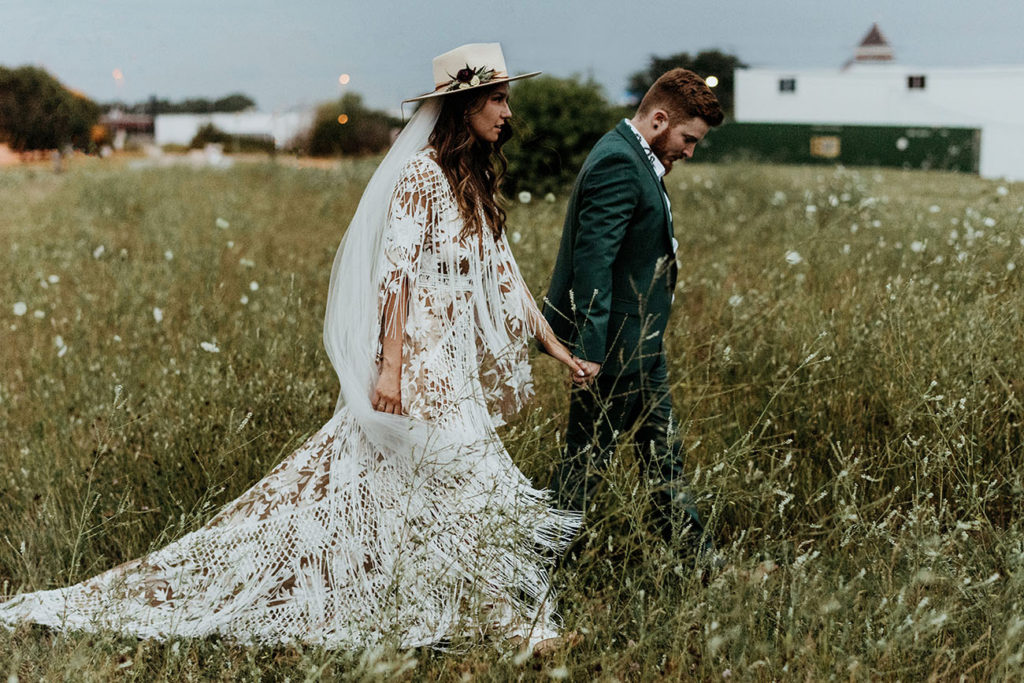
(346, 544)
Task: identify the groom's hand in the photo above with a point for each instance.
(590, 369)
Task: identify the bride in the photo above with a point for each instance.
(403, 519)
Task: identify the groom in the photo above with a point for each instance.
(610, 296)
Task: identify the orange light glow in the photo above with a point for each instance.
(343, 79)
(118, 75)
(343, 119)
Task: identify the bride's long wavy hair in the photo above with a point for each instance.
(474, 168)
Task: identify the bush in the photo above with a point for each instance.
(37, 112)
(557, 121)
(347, 127)
(238, 144)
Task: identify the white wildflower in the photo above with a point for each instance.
(253, 286)
(222, 224)
(158, 314)
(934, 208)
(169, 255)
(811, 208)
(53, 279)
(244, 300)
(989, 222)
(779, 198)
(517, 237)
(231, 244)
(209, 347)
(1011, 266)
(117, 338)
(20, 308)
(525, 197)
(846, 249)
(248, 263)
(549, 197)
(735, 300)
(98, 251)
(917, 246)
(1002, 191)
(793, 257)
(39, 315)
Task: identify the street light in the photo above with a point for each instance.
(712, 81)
(343, 79)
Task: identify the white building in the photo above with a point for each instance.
(179, 129)
(873, 89)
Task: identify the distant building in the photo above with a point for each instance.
(283, 128)
(124, 126)
(873, 89)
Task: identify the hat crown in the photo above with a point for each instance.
(476, 56)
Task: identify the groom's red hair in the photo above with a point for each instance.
(683, 95)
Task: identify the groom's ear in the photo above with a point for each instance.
(659, 118)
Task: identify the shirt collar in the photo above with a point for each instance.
(659, 167)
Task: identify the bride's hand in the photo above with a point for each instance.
(558, 351)
(387, 395)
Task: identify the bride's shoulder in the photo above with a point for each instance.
(422, 168)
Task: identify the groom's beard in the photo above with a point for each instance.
(659, 145)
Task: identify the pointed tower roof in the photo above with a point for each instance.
(874, 47)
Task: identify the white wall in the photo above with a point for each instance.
(179, 129)
(989, 98)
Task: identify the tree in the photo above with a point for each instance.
(193, 105)
(37, 112)
(706, 63)
(557, 121)
(348, 127)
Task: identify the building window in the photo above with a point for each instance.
(787, 85)
(915, 82)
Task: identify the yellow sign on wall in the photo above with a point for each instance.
(825, 146)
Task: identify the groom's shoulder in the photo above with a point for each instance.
(611, 144)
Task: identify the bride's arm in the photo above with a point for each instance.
(408, 227)
(536, 322)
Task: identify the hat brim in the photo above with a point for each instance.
(495, 81)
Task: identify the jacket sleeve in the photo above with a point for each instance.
(608, 198)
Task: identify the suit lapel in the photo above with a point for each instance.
(624, 130)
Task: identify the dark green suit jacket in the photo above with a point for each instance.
(611, 289)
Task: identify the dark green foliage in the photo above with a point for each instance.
(192, 105)
(366, 131)
(557, 121)
(37, 112)
(705, 63)
(232, 143)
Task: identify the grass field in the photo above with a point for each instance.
(848, 365)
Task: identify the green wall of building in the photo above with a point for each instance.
(954, 149)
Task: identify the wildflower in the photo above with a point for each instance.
(169, 255)
(917, 246)
(98, 251)
(735, 300)
(209, 347)
(53, 279)
(525, 197)
(253, 286)
(517, 237)
(1011, 266)
(222, 224)
(811, 208)
(779, 198)
(39, 315)
(248, 263)
(549, 197)
(793, 257)
(62, 348)
(989, 222)
(20, 308)
(158, 314)
(934, 208)
(846, 249)
(1002, 191)
(244, 300)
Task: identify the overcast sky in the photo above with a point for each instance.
(289, 54)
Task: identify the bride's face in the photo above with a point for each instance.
(487, 118)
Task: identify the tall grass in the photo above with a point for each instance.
(846, 352)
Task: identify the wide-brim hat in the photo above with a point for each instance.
(475, 65)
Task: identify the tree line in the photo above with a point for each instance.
(558, 120)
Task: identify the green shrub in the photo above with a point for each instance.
(557, 121)
(347, 127)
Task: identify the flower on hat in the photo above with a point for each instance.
(469, 77)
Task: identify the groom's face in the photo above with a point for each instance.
(675, 142)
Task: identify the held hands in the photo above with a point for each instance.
(583, 372)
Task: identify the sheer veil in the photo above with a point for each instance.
(351, 323)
